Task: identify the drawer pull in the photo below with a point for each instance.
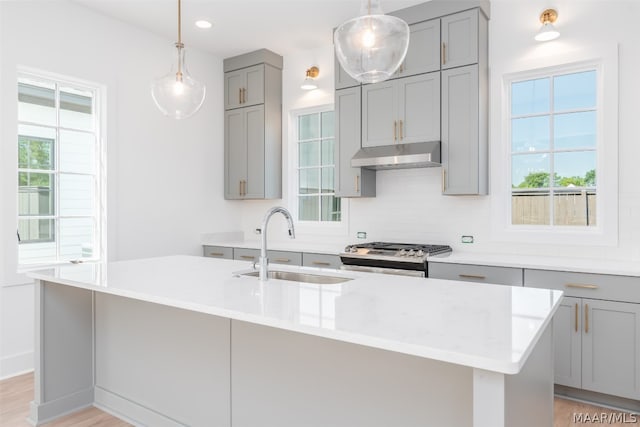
(580, 286)
(471, 276)
(586, 318)
(576, 317)
(247, 257)
(321, 263)
(216, 254)
(282, 260)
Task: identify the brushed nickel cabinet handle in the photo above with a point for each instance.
(357, 182)
(580, 286)
(240, 189)
(247, 257)
(471, 276)
(282, 260)
(576, 317)
(216, 254)
(586, 318)
(321, 263)
(395, 130)
(244, 95)
(401, 125)
(444, 50)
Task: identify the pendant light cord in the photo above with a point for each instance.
(180, 22)
(179, 44)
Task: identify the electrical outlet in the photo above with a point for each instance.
(361, 234)
(258, 231)
(467, 239)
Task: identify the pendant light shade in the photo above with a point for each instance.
(177, 94)
(372, 46)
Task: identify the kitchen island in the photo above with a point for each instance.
(183, 340)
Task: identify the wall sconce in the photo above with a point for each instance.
(309, 82)
(548, 31)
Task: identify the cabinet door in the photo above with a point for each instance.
(423, 55)
(342, 78)
(419, 108)
(254, 122)
(218, 252)
(460, 132)
(460, 39)
(244, 254)
(284, 257)
(350, 181)
(233, 84)
(611, 348)
(254, 86)
(475, 273)
(379, 124)
(567, 333)
(235, 144)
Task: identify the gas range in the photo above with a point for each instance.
(394, 256)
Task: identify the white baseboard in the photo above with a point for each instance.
(16, 364)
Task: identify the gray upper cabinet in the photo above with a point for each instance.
(464, 139)
(342, 78)
(460, 39)
(253, 126)
(244, 87)
(404, 110)
(350, 181)
(423, 55)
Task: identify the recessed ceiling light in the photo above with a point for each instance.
(203, 24)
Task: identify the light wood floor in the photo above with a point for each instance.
(17, 392)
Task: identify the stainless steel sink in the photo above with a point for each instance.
(295, 276)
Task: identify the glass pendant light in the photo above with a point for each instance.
(177, 94)
(372, 46)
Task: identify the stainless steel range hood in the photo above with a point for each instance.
(399, 156)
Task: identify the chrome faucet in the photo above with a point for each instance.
(264, 261)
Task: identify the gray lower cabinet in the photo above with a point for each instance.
(404, 110)
(475, 273)
(218, 252)
(350, 181)
(597, 341)
(244, 254)
(321, 260)
(284, 257)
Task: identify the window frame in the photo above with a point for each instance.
(603, 59)
(99, 176)
(325, 228)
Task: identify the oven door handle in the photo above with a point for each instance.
(383, 270)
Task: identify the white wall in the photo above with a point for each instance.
(409, 204)
(164, 176)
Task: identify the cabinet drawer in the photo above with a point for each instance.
(218, 252)
(243, 254)
(285, 257)
(321, 260)
(586, 285)
(475, 273)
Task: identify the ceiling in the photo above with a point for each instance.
(241, 26)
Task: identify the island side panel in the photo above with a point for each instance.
(162, 366)
(63, 349)
(529, 394)
(288, 379)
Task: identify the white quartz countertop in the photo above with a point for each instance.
(582, 265)
(489, 327)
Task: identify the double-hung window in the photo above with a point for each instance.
(59, 171)
(315, 143)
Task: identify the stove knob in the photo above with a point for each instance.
(353, 249)
(348, 248)
(420, 253)
(411, 253)
(402, 252)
